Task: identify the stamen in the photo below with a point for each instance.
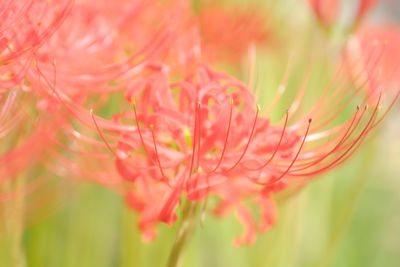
(248, 142)
(353, 83)
(387, 110)
(295, 158)
(226, 139)
(101, 134)
(335, 99)
(53, 139)
(347, 134)
(137, 125)
(156, 152)
(337, 161)
(277, 146)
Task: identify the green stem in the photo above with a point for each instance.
(15, 222)
(184, 234)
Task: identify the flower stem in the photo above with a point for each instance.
(185, 232)
(15, 222)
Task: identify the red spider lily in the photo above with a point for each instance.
(98, 49)
(24, 27)
(385, 73)
(204, 136)
(327, 11)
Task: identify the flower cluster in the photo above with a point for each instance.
(182, 128)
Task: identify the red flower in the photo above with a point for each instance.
(24, 27)
(328, 11)
(379, 66)
(203, 136)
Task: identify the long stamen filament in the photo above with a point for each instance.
(275, 180)
(156, 153)
(277, 146)
(248, 142)
(226, 139)
(352, 145)
(101, 134)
